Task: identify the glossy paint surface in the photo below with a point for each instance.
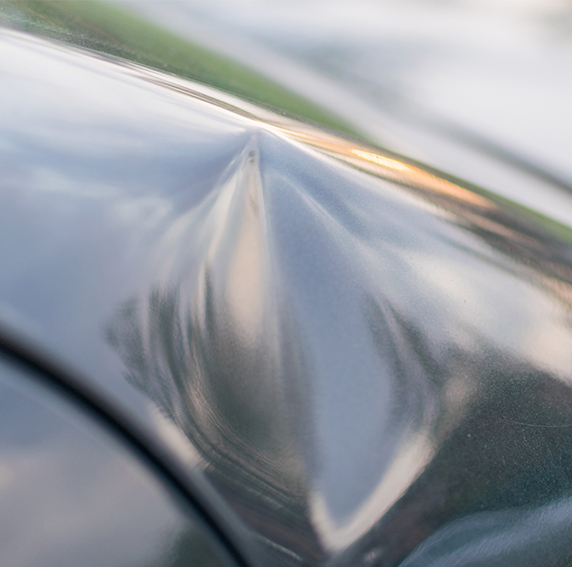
(116, 29)
(71, 494)
(368, 359)
(477, 89)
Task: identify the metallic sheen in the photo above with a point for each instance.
(71, 494)
(370, 360)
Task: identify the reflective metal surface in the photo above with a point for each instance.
(368, 359)
(70, 494)
(477, 89)
(116, 29)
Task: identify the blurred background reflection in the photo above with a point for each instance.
(368, 357)
(71, 494)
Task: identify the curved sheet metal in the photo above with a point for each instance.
(368, 359)
(71, 494)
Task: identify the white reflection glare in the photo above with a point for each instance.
(246, 278)
(410, 461)
(174, 438)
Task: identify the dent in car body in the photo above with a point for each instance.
(368, 359)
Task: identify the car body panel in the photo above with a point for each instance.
(367, 358)
(73, 491)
